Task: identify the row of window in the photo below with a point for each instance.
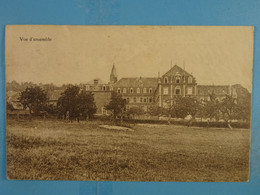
(139, 100)
(177, 91)
(177, 79)
(138, 90)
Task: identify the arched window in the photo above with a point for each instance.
(104, 88)
(177, 80)
(150, 90)
(138, 90)
(131, 90)
(118, 90)
(166, 80)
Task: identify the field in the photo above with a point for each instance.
(58, 150)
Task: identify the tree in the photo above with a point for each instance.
(183, 106)
(86, 104)
(211, 108)
(76, 103)
(9, 106)
(117, 105)
(67, 103)
(133, 111)
(228, 109)
(33, 98)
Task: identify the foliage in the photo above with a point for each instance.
(76, 103)
(117, 105)
(184, 106)
(228, 108)
(210, 108)
(86, 104)
(33, 98)
(157, 111)
(9, 106)
(133, 111)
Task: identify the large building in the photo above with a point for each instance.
(145, 92)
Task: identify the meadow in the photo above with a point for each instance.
(59, 150)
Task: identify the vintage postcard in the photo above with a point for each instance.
(128, 103)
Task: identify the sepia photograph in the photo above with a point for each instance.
(128, 103)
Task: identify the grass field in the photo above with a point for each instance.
(56, 150)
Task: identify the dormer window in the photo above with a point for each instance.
(166, 80)
(95, 81)
(189, 79)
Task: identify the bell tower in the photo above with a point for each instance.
(113, 75)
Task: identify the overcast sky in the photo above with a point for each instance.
(77, 54)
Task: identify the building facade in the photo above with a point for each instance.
(146, 92)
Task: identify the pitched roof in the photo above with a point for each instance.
(217, 89)
(137, 82)
(177, 70)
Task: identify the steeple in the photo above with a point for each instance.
(113, 75)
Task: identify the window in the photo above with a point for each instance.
(177, 79)
(134, 99)
(178, 91)
(118, 90)
(165, 91)
(144, 100)
(138, 90)
(150, 90)
(150, 100)
(95, 81)
(189, 91)
(190, 80)
(131, 90)
(144, 90)
(104, 88)
(166, 80)
(141, 99)
(124, 90)
(127, 100)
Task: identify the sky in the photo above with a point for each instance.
(77, 54)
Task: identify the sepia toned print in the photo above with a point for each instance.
(128, 103)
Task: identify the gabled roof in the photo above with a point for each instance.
(177, 70)
(137, 82)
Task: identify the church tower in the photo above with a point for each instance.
(113, 75)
